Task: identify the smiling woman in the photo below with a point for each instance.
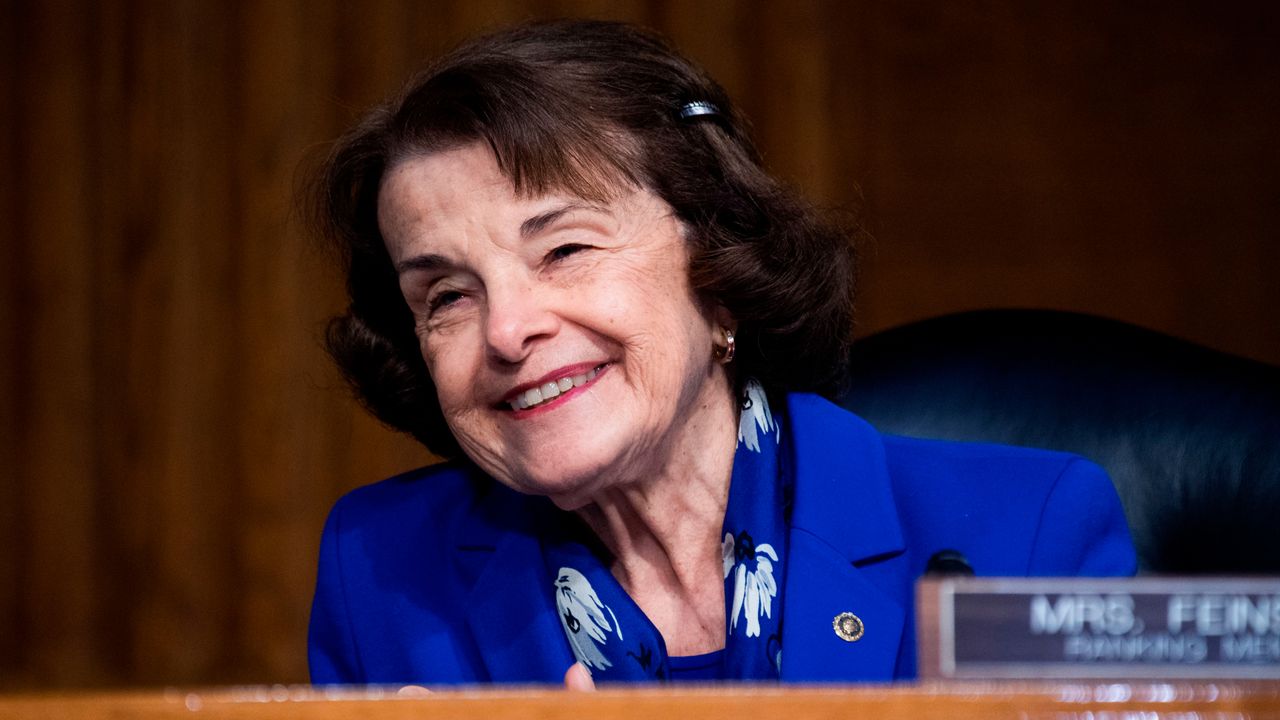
(523, 294)
(570, 275)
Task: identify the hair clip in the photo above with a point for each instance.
(700, 109)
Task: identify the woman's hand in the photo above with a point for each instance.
(578, 677)
(413, 691)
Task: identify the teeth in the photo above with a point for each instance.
(533, 397)
(552, 390)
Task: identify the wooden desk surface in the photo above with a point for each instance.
(943, 701)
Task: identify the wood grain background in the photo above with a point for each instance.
(171, 434)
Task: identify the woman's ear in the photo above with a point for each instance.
(723, 329)
(723, 319)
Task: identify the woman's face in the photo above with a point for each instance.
(568, 352)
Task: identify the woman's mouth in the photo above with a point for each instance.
(549, 391)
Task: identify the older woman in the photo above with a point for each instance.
(569, 273)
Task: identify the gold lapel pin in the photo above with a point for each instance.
(848, 626)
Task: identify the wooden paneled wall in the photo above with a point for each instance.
(171, 434)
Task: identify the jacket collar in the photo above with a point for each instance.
(843, 493)
(845, 552)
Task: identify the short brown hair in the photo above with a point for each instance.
(586, 106)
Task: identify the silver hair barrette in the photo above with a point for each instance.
(699, 108)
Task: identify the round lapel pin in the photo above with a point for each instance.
(848, 626)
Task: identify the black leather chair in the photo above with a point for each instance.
(1190, 436)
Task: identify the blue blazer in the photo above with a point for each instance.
(433, 577)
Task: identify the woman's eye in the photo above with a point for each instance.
(445, 299)
(564, 251)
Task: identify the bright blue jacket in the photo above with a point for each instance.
(434, 577)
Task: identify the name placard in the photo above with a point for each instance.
(1165, 627)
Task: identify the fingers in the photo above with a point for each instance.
(578, 678)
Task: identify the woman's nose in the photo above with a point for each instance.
(517, 318)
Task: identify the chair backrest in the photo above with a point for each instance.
(1190, 436)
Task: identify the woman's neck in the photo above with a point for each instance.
(664, 535)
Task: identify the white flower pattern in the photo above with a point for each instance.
(756, 418)
(583, 616)
(753, 590)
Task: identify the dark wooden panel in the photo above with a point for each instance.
(1103, 159)
(57, 422)
(12, 369)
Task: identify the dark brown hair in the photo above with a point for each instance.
(588, 107)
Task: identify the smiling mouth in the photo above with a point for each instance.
(549, 391)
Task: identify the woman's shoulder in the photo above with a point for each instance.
(988, 473)
(440, 500)
(912, 458)
(398, 560)
(974, 467)
(405, 494)
(1030, 510)
(822, 422)
(1022, 510)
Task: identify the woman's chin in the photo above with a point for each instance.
(568, 473)
(567, 492)
(571, 502)
(568, 487)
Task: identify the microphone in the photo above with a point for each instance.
(948, 562)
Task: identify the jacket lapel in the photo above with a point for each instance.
(845, 550)
(511, 610)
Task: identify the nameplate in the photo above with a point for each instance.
(1166, 627)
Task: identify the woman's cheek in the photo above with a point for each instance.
(452, 353)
